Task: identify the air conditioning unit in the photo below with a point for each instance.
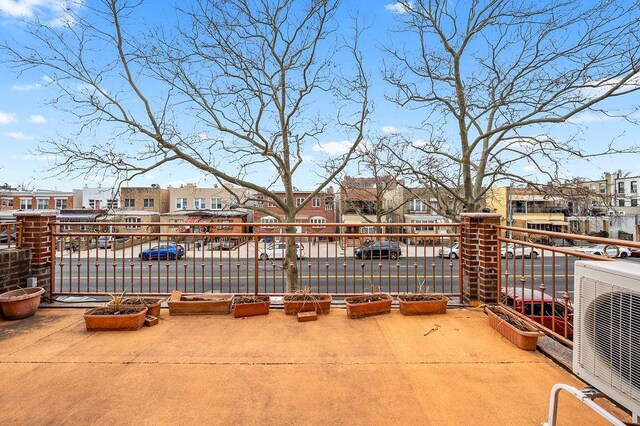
(621, 213)
(606, 347)
(611, 213)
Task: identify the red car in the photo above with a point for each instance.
(635, 251)
(530, 303)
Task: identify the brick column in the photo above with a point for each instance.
(36, 236)
(480, 256)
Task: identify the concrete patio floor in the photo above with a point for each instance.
(273, 370)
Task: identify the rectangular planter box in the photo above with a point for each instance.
(96, 321)
(361, 310)
(423, 307)
(252, 309)
(199, 304)
(527, 340)
(321, 303)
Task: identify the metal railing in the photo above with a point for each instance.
(536, 280)
(98, 263)
(10, 234)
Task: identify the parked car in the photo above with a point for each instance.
(379, 249)
(551, 314)
(164, 251)
(277, 250)
(512, 250)
(605, 250)
(3, 237)
(634, 251)
(104, 242)
(222, 245)
(450, 252)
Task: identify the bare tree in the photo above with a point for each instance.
(500, 75)
(236, 89)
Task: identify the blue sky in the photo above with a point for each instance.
(25, 117)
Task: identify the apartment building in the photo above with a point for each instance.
(365, 200)
(95, 198)
(36, 199)
(320, 210)
(149, 199)
(624, 211)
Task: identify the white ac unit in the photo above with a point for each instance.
(606, 346)
(621, 213)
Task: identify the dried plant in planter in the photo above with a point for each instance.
(304, 300)
(251, 305)
(199, 303)
(366, 305)
(422, 302)
(519, 332)
(116, 315)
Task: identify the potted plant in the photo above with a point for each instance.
(521, 333)
(153, 304)
(21, 303)
(422, 302)
(305, 301)
(115, 315)
(250, 305)
(368, 304)
(199, 303)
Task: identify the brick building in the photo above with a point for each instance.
(149, 199)
(37, 199)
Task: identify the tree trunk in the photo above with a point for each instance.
(291, 258)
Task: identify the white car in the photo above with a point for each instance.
(605, 250)
(512, 250)
(450, 252)
(277, 250)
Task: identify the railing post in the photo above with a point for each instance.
(479, 256)
(256, 265)
(36, 236)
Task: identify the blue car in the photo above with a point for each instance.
(162, 252)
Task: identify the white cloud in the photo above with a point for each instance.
(392, 129)
(55, 13)
(399, 7)
(203, 136)
(18, 135)
(7, 117)
(590, 117)
(334, 148)
(26, 87)
(37, 119)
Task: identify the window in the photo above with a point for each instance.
(620, 187)
(634, 202)
(299, 201)
(416, 205)
(7, 202)
(328, 203)
(216, 204)
(621, 202)
(148, 202)
(61, 203)
(129, 202)
(634, 187)
(132, 220)
(199, 203)
(94, 204)
(318, 219)
(271, 204)
(316, 202)
(268, 219)
(112, 204)
(181, 203)
(43, 203)
(602, 188)
(25, 204)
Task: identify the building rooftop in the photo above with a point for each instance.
(451, 369)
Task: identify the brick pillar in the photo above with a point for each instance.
(480, 257)
(36, 236)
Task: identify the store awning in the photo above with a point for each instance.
(81, 217)
(194, 219)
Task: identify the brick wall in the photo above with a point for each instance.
(480, 256)
(36, 237)
(15, 268)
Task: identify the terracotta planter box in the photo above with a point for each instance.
(98, 319)
(252, 309)
(21, 303)
(366, 309)
(320, 303)
(153, 304)
(199, 304)
(527, 340)
(422, 307)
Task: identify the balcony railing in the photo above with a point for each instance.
(100, 262)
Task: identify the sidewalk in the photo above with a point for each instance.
(443, 370)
